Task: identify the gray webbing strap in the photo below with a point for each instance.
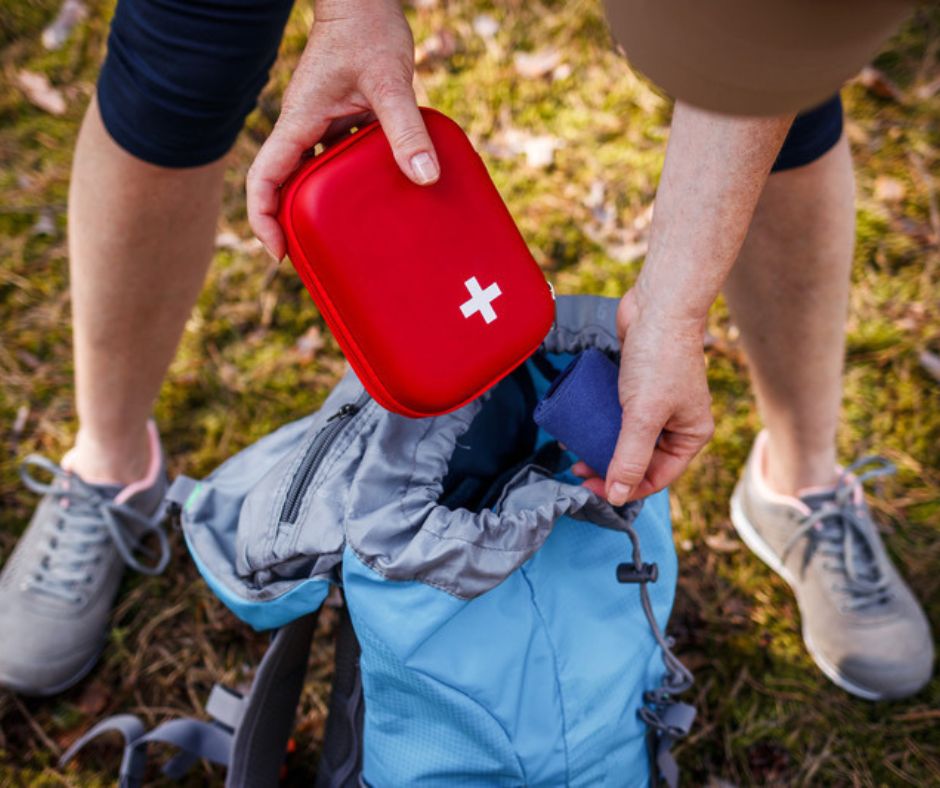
(134, 761)
(248, 734)
(676, 719)
(666, 763)
(180, 490)
(196, 739)
(226, 706)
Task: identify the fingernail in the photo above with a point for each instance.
(424, 168)
(619, 493)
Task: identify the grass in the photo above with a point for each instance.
(767, 716)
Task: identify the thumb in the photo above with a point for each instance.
(632, 456)
(278, 157)
(396, 107)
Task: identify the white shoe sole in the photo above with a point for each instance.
(762, 550)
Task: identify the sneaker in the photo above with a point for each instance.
(861, 623)
(58, 586)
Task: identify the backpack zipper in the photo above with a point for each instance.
(316, 452)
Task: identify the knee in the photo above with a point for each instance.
(179, 79)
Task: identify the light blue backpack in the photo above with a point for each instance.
(510, 621)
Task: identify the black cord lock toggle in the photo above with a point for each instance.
(631, 573)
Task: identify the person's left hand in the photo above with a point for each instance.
(666, 405)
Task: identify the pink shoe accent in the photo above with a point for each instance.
(760, 479)
(760, 449)
(66, 463)
(153, 471)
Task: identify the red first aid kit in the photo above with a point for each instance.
(430, 291)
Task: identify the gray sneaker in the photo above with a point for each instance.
(861, 623)
(57, 588)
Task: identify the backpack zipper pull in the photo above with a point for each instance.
(349, 409)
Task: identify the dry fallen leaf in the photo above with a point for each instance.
(229, 240)
(268, 303)
(929, 90)
(718, 782)
(40, 92)
(931, 364)
(888, 189)
(532, 65)
(19, 423)
(878, 84)
(722, 543)
(94, 699)
(540, 151)
(735, 611)
(58, 31)
(436, 48)
(309, 343)
(857, 134)
(44, 224)
(918, 231)
(627, 252)
(485, 26)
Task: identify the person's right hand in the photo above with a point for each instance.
(664, 395)
(359, 60)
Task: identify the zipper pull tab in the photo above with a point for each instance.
(347, 410)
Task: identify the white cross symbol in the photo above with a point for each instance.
(480, 299)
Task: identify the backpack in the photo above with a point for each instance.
(502, 625)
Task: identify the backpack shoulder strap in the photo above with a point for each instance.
(248, 733)
(340, 763)
(266, 714)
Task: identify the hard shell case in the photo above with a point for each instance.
(430, 291)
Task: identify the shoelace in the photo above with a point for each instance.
(841, 531)
(85, 524)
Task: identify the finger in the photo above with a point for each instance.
(276, 160)
(582, 469)
(596, 485)
(664, 468)
(632, 456)
(672, 455)
(396, 107)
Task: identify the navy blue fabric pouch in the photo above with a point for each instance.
(582, 409)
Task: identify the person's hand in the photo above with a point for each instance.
(359, 60)
(666, 405)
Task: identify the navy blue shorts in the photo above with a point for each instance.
(181, 76)
(812, 134)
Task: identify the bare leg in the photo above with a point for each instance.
(788, 294)
(140, 240)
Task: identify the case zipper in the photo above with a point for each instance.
(316, 452)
